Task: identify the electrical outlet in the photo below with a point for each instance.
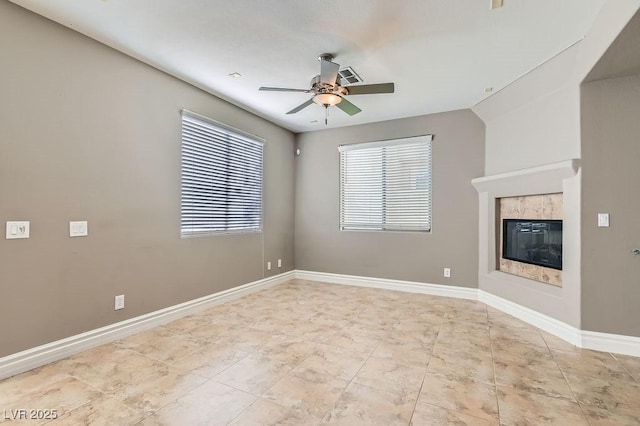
(279, 263)
(447, 272)
(268, 266)
(119, 304)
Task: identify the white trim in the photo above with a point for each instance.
(31, 358)
(535, 180)
(385, 143)
(615, 343)
(535, 318)
(387, 284)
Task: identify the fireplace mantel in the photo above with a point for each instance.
(545, 179)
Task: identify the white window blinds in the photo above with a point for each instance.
(221, 178)
(386, 185)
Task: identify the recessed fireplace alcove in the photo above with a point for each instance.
(536, 228)
(558, 184)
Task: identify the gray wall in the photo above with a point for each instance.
(87, 133)
(611, 177)
(458, 156)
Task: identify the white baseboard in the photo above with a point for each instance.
(31, 358)
(604, 342)
(535, 318)
(387, 284)
(614, 343)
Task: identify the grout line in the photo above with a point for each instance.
(622, 364)
(426, 370)
(493, 362)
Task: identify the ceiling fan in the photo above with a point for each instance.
(327, 90)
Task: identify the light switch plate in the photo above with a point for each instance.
(17, 229)
(603, 220)
(78, 228)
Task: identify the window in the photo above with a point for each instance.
(221, 178)
(386, 185)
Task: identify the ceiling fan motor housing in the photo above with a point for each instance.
(317, 87)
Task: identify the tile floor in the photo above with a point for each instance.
(307, 353)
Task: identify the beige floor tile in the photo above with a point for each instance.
(554, 342)
(353, 341)
(145, 338)
(392, 374)
(154, 393)
(254, 374)
(516, 335)
(523, 354)
(412, 351)
(431, 415)
(172, 348)
(472, 344)
(609, 393)
(478, 317)
(500, 318)
(601, 417)
(210, 361)
(592, 363)
(103, 411)
(631, 364)
(462, 337)
(463, 396)
(108, 352)
(359, 326)
(112, 375)
(18, 386)
(185, 324)
(268, 413)
(477, 366)
(209, 404)
(307, 392)
(545, 381)
(465, 327)
(410, 323)
(62, 396)
(363, 405)
(248, 340)
(213, 331)
(526, 408)
(291, 351)
(426, 337)
(334, 361)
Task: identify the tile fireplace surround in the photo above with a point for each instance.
(559, 302)
(544, 206)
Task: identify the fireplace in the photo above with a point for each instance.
(537, 242)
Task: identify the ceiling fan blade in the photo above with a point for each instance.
(282, 89)
(348, 107)
(328, 72)
(370, 89)
(301, 106)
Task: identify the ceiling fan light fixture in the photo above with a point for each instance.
(327, 99)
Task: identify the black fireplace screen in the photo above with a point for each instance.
(538, 242)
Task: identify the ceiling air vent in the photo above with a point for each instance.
(349, 76)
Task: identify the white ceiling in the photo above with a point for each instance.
(441, 54)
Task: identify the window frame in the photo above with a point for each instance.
(221, 129)
(384, 225)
